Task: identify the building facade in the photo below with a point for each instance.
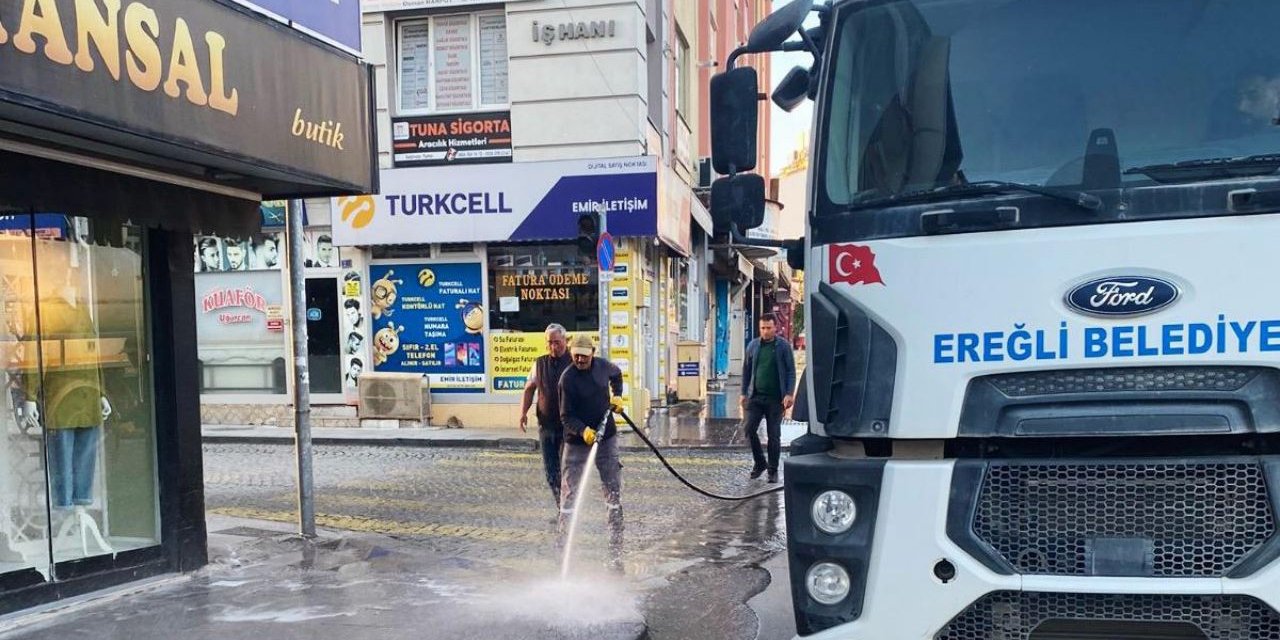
(737, 280)
(499, 125)
(108, 169)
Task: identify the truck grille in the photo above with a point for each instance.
(1013, 615)
(1138, 519)
(1113, 380)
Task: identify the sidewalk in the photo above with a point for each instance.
(264, 582)
(713, 424)
(420, 437)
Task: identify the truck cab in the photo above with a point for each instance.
(1043, 322)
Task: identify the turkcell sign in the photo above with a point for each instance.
(446, 204)
(521, 201)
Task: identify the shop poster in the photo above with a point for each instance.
(429, 318)
(512, 355)
(354, 328)
(622, 323)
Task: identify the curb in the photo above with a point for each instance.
(505, 444)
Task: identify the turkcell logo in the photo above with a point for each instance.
(436, 204)
(1117, 297)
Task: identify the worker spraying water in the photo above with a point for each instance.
(590, 393)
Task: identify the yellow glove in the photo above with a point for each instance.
(589, 436)
(616, 404)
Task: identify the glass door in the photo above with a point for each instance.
(324, 355)
(24, 505)
(96, 402)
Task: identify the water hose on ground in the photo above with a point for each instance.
(696, 488)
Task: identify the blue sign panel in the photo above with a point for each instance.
(687, 369)
(429, 318)
(45, 225)
(335, 20)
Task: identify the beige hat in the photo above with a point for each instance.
(581, 345)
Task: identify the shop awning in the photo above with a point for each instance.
(61, 187)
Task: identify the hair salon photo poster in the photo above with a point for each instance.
(429, 318)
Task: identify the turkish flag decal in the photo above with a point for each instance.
(854, 264)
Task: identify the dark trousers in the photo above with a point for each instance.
(551, 441)
(770, 410)
(609, 467)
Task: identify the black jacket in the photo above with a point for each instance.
(584, 399)
(548, 372)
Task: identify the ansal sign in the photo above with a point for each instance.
(193, 73)
(125, 40)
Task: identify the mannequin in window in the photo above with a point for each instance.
(75, 408)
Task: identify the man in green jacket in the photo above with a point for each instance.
(768, 390)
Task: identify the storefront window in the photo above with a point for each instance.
(78, 426)
(239, 311)
(531, 286)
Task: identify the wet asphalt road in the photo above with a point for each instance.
(691, 563)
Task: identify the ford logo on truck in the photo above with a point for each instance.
(1122, 296)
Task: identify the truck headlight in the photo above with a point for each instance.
(827, 582)
(834, 512)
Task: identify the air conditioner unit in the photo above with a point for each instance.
(705, 173)
(395, 396)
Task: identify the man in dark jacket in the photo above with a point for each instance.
(545, 380)
(589, 394)
(768, 389)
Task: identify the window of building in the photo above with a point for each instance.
(239, 310)
(452, 63)
(532, 286)
(683, 74)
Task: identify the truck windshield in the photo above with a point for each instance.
(1059, 93)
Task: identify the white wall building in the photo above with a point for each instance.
(498, 125)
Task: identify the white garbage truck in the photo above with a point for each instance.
(1042, 259)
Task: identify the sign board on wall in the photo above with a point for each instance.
(499, 202)
(622, 351)
(336, 21)
(227, 83)
(429, 318)
(377, 6)
(421, 141)
(235, 308)
(511, 357)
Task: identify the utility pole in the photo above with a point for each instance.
(301, 373)
(605, 277)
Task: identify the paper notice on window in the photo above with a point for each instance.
(493, 60)
(453, 62)
(415, 69)
(509, 304)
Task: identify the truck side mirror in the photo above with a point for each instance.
(793, 89)
(735, 111)
(775, 29)
(737, 200)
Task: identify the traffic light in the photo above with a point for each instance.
(588, 233)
